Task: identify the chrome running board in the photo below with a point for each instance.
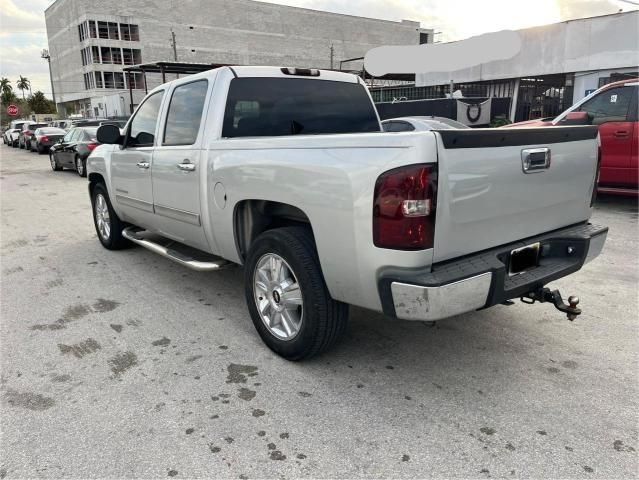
(170, 249)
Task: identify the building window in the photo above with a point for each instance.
(118, 78)
(83, 31)
(103, 30)
(135, 80)
(95, 51)
(113, 31)
(106, 54)
(98, 80)
(108, 80)
(423, 38)
(129, 32)
(92, 30)
(131, 56)
(116, 56)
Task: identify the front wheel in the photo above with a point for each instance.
(287, 297)
(80, 166)
(54, 163)
(108, 225)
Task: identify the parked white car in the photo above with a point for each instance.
(287, 172)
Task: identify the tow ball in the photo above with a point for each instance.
(553, 296)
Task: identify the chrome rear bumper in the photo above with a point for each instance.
(481, 280)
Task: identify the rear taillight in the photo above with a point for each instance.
(27, 132)
(91, 146)
(404, 208)
(44, 138)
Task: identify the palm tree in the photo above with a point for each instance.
(6, 90)
(5, 87)
(23, 84)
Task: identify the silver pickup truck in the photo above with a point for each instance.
(287, 172)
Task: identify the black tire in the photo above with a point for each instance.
(39, 149)
(80, 166)
(55, 166)
(115, 240)
(323, 319)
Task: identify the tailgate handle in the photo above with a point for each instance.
(534, 160)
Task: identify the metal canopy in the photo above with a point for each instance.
(184, 68)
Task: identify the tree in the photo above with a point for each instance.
(5, 86)
(6, 91)
(23, 84)
(41, 104)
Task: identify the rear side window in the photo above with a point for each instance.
(609, 106)
(142, 128)
(185, 113)
(67, 137)
(258, 107)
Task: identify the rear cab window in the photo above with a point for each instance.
(185, 113)
(258, 107)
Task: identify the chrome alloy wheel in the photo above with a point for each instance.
(79, 166)
(102, 218)
(278, 296)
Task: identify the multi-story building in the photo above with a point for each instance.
(91, 42)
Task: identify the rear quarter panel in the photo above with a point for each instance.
(331, 178)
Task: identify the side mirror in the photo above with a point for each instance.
(576, 118)
(109, 134)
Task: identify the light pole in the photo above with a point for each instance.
(45, 54)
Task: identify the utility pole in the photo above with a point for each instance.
(332, 55)
(45, 54)
(173, 44)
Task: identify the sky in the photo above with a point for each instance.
(23, 33)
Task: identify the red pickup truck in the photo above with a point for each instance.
(613, 108)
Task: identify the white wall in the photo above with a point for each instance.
(606, 42)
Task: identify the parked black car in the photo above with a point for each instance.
(73, 149)
(44, 137)
(24, 138)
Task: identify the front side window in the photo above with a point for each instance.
(294, 106)
(185, 113)
(142, 127)
(609, 106)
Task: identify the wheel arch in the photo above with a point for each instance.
(251, 217)
(95, 178)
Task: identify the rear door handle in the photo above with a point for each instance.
(143, 164)
(621, 133)
(186, 165)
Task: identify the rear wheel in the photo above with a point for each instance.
(54, 163)
(287, 297)
(80, 166)
(108, 225)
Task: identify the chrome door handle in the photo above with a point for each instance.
(143, 164)
(186, 165)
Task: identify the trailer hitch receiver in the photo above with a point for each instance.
(544, 294)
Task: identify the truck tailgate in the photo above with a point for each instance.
(485, 198)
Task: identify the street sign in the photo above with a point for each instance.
(13, 110)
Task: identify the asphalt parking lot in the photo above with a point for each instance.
(124, 364)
